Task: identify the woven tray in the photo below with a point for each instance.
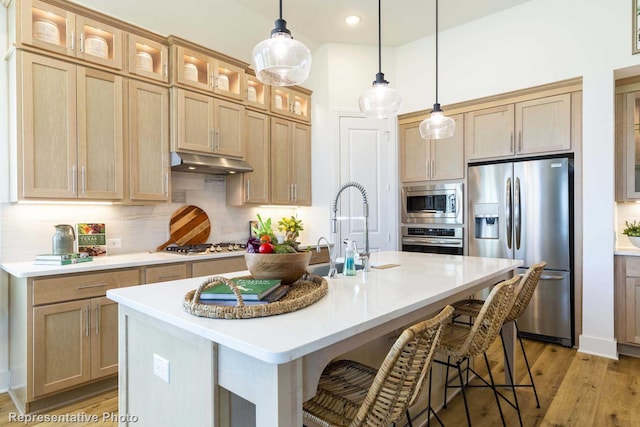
(305, 291)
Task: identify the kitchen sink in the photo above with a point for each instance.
(323, 269)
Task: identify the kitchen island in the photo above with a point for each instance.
(274, 362)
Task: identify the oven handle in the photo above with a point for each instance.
(432, 242)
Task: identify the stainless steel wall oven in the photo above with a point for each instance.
(434, 240)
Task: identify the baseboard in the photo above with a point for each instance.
(598, 347)
(4, 381)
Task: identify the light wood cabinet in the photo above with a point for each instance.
(431, 160)
(218, 266)
(208, 71)
(257, 94)
(253, 188)
(534, 126)
(147, 58)
(290, 163)
(209, 125)
(72, 139)
(628, 146)
(627, 300)
(52, 28)
(166, 272)
(148, 137)
(63, 334)
(291, 102)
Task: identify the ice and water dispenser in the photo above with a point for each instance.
(487, 220)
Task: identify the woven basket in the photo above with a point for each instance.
(305, 291)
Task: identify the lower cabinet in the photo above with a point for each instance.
(77, 341)
(627, 300)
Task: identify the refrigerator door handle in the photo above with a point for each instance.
(508, 214)
(516, 212)
(545, 277)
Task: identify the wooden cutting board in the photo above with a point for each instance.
(189, 225)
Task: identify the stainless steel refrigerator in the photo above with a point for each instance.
(524, 210)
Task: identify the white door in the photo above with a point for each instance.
(368, 157)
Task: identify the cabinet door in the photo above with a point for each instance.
(489, 132)
(194, 121)
(48, 127)
(99, 43)
(192, 68)
(104, 337)
(544, 124)
(147, 58)
(415, 154)
(148, 141)
(281, 189)
(228, 80)
(47, 27)
(257, 94)
(218, 266)
(256, 183)
(632, 310)
(300, 106)
(301, 164)
(62, 350)
(229, 128)
(447, 155)
(164, 273)
(100, 135)
(280, 101)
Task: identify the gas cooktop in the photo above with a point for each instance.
(206, 248)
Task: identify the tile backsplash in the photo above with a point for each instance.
(27, 229)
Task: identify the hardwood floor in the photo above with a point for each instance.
(575, 389)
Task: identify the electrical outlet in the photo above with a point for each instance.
(115, 242)
(161, 368)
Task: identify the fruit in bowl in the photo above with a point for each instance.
(268, 259)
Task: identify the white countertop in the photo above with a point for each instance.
(29, 269)
(628, 251)
(351, 305)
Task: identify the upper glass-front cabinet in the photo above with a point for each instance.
(52, 28)
(628, 146)
(291, 102)
(256, 93)
(147, 58)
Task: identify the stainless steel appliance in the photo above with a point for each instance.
(432, 204)
(434, 240)
(524, 210)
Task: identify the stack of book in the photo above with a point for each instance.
(61, 259)
(254, 291)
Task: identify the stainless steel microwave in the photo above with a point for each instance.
(432, 204)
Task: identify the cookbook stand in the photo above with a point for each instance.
(302, 293)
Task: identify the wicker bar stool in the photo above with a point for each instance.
(527, 287)
(352, 394)
(462, 342)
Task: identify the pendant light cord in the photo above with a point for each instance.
(436, 51)
(379, 37)
(280, 9)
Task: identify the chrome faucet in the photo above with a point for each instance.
(332, 257)
(364, 256)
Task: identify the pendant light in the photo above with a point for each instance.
(438, 126)
(380, 101)
(280, 60)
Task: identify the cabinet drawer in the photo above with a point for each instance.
(633, 266)
(166, 272)
(218, 266)
(79, 286)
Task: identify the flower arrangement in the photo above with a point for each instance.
(291, 227)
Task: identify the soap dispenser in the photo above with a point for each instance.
(349, 259)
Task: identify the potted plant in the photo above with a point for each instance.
(632, 230)
(291, 227)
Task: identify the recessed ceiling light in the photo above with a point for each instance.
(352, 19)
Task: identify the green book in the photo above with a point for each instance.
(251, 290)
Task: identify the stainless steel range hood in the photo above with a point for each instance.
(212, 165)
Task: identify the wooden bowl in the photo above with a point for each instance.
(286, 267)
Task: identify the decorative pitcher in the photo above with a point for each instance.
(63, 239)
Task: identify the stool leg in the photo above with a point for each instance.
(493, 386)
(464, 395)
(526, 361)
(431, 411)
(446, 381)
(512, 381)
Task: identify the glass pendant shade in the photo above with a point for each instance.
(280, 60)
(438, 126)
(381, 101)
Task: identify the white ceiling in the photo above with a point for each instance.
(235, 26)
